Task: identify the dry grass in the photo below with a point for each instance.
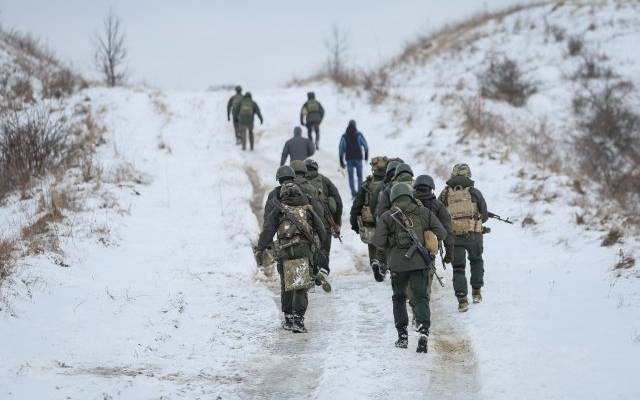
(612, 237)
(528, 221)
(7, 257)
(477, 120)
(625, 261)
(447, 346)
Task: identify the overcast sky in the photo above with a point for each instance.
(192, 44)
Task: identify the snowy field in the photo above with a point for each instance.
(173, 305)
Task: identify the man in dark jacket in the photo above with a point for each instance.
(468, 211)
(246, 109)
(423, 191)
(401, 173)
(352, 145)
(232, 110)
(363, 209)
(408, 269)
(311, 115)
(297, 148)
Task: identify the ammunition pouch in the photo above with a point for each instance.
(293, 249)
(366, 232)
(431, 242)
(367, 216)
(468, 225)
(297, 274)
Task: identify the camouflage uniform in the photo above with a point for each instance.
(246, 109)
(311, 115)
(232, 110)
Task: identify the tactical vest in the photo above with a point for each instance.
(245, 111)
(313, 111)
(292, 242)
(463, 210)
(412, 221)
(371, 201)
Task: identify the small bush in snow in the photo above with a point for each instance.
(593, 67)
(575, 45)
(7, 257)
(31, 143)
(377, 85)
(503, 81)
(479, 121)
(608, 143)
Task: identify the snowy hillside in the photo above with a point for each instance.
(158, 294)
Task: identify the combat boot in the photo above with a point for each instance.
(463, 304)
(376, 267)
(403, 339)
(477, 296)
(422, 343)
(298, 324)
(287, 324)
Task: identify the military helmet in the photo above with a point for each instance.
(285, 171)
(424, 180)
(401, 189)
(238, 89)
(312, 165)
(247, 94)
(299, 166)
(403, 168)
(290, 190)
(391, 167)
(461, 170)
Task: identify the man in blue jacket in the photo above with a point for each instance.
(352, 145)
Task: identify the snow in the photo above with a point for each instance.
(175, 307)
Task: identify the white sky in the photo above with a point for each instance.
(192, 44)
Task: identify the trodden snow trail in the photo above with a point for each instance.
(349, 350)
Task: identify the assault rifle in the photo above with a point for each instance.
(496, 216)
(417, 246)
(334, 228)
(297, 223)
(441, 255)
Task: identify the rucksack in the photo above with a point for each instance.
(371, 201)
(412, 221)
(313, 111)
(292, 242)
(246, 108)
(463, 210)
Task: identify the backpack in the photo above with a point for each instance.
(463, 210)
(412, 221)
(313, 111)
(246, 107)
(292, 242)
(235, 101)
(371, 201)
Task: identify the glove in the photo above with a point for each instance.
(228, 118)
(355, 228)
(261, 121)
(259, 255)
(324, 270)
(342, 164)
(366, 156)
(448, 257)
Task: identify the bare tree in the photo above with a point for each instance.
(337, 44)
(111, 50)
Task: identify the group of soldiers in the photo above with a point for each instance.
(396, 214)
(243, 109)
(404, 225)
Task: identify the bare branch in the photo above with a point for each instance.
(111, 51)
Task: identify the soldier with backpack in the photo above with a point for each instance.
(409, 269)
(363, 212)
(311, 115)
(246, 109)
(468, 211)
(331, 201)
(297, 227)
(232, 110)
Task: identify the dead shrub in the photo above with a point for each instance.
(541, 148)
(90, 170)
(31, 143)
(376, 83)
(612, 237)
(477, 120)
(593, 67)
(580, 220)
(22, 91)
(7, 257)
(59, 84)
(503, 81)
(608, 144)
(575, 44)
(528, 220)
(39, 236)
(558, 33)
(624, 261)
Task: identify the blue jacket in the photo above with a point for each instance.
(351, 145)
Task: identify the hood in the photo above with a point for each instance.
(311, 173)
(297, 131)
(424, 194)
(405, 203)
(460, 180)
(351, 128)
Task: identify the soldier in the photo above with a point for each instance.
(408, 270)
(232, 110)
(401, 173)
(363, 209)
(313, 197)
(296, 225)
(284, 174)
(468, 211)
(297, 148)
(423, 192)
(330, 200)
(311, 115)
(246, 110)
